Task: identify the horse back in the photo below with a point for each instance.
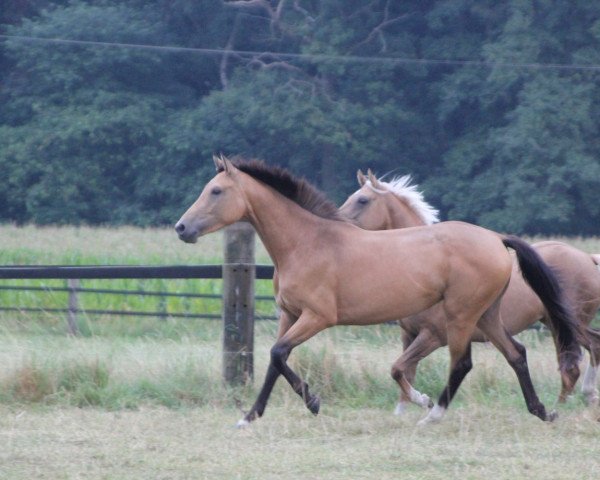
(577, 272)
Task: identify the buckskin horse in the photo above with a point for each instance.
(330, 272)
(381, 205)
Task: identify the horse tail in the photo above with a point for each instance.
(544, 282)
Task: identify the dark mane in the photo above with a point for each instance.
(299, 190)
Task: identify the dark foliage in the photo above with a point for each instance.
(108, 134)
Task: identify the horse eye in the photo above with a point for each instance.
(363, 200)
(216, 190)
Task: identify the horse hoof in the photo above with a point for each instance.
(592, 400)
(428, 420)
(314, 404)
(435, 415)
(243, 423)
(551, 416)
(424, 401)
(400, 409)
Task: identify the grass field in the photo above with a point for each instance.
(145, 408)
(143, 398)
(158, 443)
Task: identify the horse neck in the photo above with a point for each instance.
(401, 214)
(283, 226)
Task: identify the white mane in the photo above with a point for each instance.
(401, 187)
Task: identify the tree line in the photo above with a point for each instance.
(491, 106)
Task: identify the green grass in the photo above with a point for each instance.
(343, 366)
(32, 245)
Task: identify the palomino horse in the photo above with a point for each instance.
(330, 272)
(380, 205)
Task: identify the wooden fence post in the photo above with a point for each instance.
(73, 285)
(238, 304)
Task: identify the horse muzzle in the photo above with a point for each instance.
(187, 233)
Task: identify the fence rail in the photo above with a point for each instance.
(73, 272)
(32, 288)
(263, 272)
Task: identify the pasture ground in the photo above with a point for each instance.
(473, 442)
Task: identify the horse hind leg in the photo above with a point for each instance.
(403, 370)
(459, 332)
(588, 387)
(516, 357)
(568, 377)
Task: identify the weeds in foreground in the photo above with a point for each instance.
(128, 373)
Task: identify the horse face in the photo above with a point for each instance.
(221, 203)
(366, 209)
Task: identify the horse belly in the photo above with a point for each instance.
(373, 302)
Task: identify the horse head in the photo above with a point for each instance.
(367, 207)
(221, 203)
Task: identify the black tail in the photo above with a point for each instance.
(544, 283)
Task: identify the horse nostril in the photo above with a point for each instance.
(180, 228)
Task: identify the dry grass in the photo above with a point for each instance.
(587, 244)
(157, 443)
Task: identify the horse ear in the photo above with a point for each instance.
(373, 179)
(218, 163)
(227, 165)
(361, 178)
(222, 163)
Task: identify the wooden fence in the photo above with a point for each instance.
(238, 274)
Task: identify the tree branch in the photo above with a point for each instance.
(303, 12)
(274, 14)
(228, 47)
(378, 31)
(259, 63)
(263, 4)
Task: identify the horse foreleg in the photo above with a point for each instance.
(260, 404)
(307, 325)
(404, 369)
(257, 410)
(404, 397)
